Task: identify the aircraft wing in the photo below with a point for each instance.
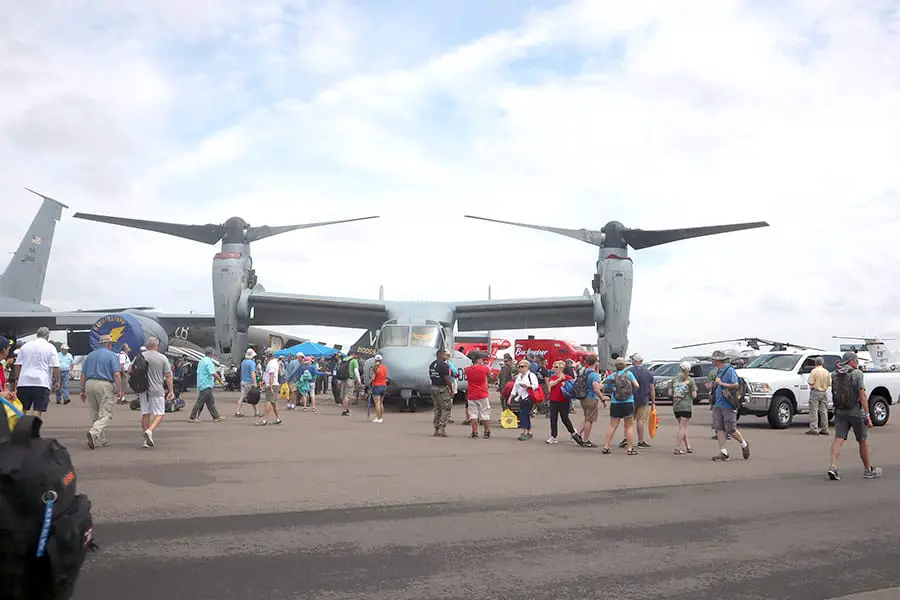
(270, 308)
(531, 313)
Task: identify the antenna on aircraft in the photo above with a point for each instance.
(612, 284)
(754, 342)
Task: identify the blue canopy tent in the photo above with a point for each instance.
(311, 349)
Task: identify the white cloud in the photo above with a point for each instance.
(655, 114)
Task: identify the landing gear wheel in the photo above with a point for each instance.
(781, 412)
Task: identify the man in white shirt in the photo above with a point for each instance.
(37, 372)
(270, 381)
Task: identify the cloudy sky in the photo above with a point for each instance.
(656, 114)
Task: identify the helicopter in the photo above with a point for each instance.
(752, 349)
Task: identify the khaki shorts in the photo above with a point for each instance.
(591, 410)
(480, 410)
(641, 413)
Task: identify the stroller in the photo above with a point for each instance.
(232, 380)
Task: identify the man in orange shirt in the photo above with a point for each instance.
(379, 385)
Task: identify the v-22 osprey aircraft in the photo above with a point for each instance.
(411, 332)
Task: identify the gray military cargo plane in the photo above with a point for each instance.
(22, 283)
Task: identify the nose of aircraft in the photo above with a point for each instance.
(408, 366)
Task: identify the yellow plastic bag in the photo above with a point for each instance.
(653, 422)
(285, 391)
(509, 420)
(13, 411)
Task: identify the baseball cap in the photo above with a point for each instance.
(848, 356)
(379, 357)
(4, 343)
(636, 357)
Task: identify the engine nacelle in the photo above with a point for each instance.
(128, 328)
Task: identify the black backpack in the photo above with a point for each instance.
(139, 381)
(580, 386)
(842, 390)
(253, 396)
(343, 372)
(46, 528)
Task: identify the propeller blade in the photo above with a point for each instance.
(207, 234)
(583, 235)
(644, 238)
(259, 233)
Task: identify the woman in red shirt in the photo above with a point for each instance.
(379, 386)
(559, 404)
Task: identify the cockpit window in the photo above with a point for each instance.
(394, 335)
(427, 336)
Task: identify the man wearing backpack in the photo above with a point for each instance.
(348, 375)
(101, 384)
(153, 400)
(589, 391)
(851, 411)
(725, 408)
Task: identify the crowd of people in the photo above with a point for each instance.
(628, 390)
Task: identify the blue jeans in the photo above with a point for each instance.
(63, 392)
(525, 407)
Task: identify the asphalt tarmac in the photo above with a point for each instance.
(331, 507)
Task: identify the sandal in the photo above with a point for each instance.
(679, 451)
(690, 450)
(632, 452)
(604, 451)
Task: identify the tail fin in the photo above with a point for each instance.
(24, 277)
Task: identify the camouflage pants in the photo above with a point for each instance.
(442, 400)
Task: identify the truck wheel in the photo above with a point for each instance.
(879, 409)
(781, 412)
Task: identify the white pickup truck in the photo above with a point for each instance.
(777, 387)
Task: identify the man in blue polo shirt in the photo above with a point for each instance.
(248, 381)
(206, 379)
(101, 384)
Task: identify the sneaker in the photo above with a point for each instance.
(237, 414)
(623, 443)
(833, 474)
(148, 438)
(146, 445)
(91, 442)
(277, 422)
(552, 440)
(529, 435)
(576, 437)
(745, 450)
(261, 423)
(345, 412)
(218, 419)
(812, 432)
(872, 473)
(643, 445)
(523, 437)
(721, 457)
(193, 420)
(589, 444)
(824, 432)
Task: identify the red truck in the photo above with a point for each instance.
(552, 350)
